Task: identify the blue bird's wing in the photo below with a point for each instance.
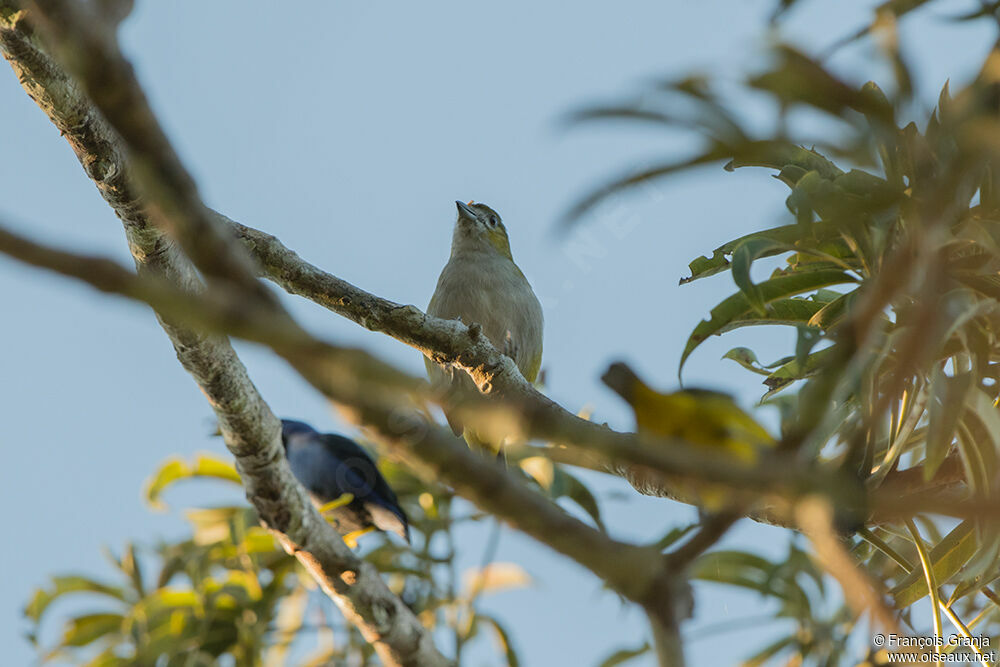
(329, 466)
(359, 475)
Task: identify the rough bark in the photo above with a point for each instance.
(250, 430)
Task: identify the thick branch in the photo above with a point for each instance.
(451, 342)
(86, 48)
(250, 430)
(641, 574)
(650, 470)
(198, 354)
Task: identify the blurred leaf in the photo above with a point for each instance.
(633, 179)
(503, 637)
(624, 655)
(797, 78)
(173, 470)
(132, 569)
(948, 557)
(571, 487)
(746, 570)
(774, 648)
(948, 396)
(63, 585)
(540, 469)
(558, 483)
(494, 578)
(85, 629)
(675, 534)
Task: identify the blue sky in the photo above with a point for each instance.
(348, 130)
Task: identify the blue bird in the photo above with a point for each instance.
(330, 466)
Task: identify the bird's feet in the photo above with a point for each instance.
(336, 503)
(351, 539)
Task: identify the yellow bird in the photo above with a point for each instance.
(698, 416)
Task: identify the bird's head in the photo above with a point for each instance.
(294, 432)
(622, 380)
(480, 227)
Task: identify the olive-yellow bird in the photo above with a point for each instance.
(702, 418)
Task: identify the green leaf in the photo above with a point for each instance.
(746, 570)
(833, 312)
(107, 658)
(747, 358)
(947, 403)
(737, 311)
(558, 483)
(215, 524)
(702, 267)
(782, 154)
(795, 370)
(743, 258)
(132, 569)
(674, 534)
(798, 79)
(577, 491)
(83, 630)
(624, 655)
(42, 598)
(789, 236)
(979, 441)
(173, 470)
(948, 557)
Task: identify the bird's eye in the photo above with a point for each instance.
(493, 221)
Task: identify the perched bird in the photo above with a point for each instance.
(481, 284)
(701, 417)
(344, 480)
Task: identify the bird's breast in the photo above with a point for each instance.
(496, 295)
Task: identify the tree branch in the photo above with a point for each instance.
(250, 430)
(650, 470)
(85, 46)
(641, 574)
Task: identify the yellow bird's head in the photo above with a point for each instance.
(479, 227)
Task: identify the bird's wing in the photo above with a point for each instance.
(444, 381)
(368, 485)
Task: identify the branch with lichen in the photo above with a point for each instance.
(250, 430)
(171, 195)
(653, 472)
(141, 177)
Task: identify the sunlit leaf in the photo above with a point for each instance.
(503, 638)
(85, 629)
(948, 557)
(63, 585)
(622, 656)
(494, 578)
(173, 470)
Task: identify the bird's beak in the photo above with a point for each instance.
(464, 211)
